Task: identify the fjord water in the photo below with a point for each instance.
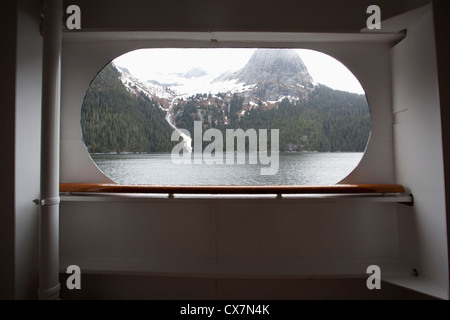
(310, 168)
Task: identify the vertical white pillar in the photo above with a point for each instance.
(49, 287)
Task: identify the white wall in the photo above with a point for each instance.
(278, 238)
(266, 238)
(218, 238)
(27, 152)
(21, 130)
(221, 232)
(419, 158)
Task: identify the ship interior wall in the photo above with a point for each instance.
(252, 248)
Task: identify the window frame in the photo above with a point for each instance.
(144, 39)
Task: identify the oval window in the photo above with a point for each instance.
(225, 117)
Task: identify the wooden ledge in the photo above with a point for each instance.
(302, 189)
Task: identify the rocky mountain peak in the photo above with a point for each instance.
(275, 73)
(280, 65)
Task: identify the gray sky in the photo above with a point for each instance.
(147, 63)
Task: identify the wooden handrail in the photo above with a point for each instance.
(295, 189)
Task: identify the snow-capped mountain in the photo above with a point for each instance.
(269, 75)
(151, 88)
(311, 118)
(274, 74)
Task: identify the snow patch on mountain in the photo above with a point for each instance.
(135, 85)
(270, 75)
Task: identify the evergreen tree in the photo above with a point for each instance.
(116, 120)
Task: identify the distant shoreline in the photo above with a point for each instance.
(281, 152)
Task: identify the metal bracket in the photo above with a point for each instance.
(47, 202)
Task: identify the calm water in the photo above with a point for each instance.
(294, 168)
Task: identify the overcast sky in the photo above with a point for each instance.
(147, 63)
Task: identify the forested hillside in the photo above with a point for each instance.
(328, 120)
(115, 120)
